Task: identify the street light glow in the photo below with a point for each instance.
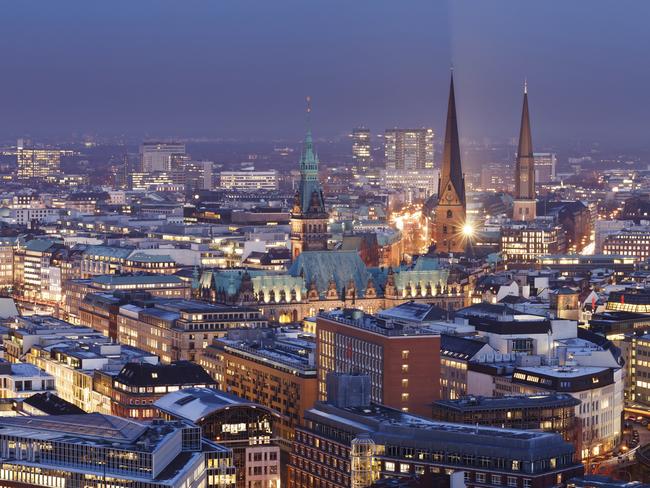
(468, 229)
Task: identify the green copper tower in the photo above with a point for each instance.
(308, 216)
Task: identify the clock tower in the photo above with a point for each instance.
(309, 218)
(450, 214)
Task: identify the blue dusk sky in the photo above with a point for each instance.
(241, 68)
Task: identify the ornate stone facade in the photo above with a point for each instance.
(306, 288)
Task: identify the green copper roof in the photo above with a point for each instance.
(283, 281)
(151, 258)
(321, 266)
(309, 176)
(427, 263)
(39, 245)
(109, 251)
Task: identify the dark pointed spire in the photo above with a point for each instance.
(525, 171)
(525, 139)
(451, 170)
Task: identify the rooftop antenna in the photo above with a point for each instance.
(525, 86)
(308, 110)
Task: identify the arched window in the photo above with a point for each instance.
(449, 214)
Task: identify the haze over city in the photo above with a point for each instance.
(240, 70)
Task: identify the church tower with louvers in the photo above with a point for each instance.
(450, 213)
(309, 218)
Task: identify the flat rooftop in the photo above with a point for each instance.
(122, 280)
(93, 427)
(375, 324)
(562, 371)
(393, 427)
(284, 352)
(479, 403)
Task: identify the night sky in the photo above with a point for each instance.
(241, 69)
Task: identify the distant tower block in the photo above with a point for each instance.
(525, 204)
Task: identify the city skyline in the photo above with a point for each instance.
(439, 278)
(224, 71)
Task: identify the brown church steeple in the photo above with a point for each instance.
(525, 203)
(450, 213)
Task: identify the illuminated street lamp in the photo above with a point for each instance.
(468, 230)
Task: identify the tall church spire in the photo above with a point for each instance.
(524, 208)
(451, 170)
(450, 215)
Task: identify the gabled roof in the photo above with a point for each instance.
(460, 347)
(177, 373)
(50, 404)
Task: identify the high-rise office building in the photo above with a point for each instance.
(408, 149)
(361, 149)
(526, 242)
(37, 163)
(195, 175)
(525, 198)
(403, 362)
(450, 213)
(158, 156)
(545, 165)
(249, 180)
